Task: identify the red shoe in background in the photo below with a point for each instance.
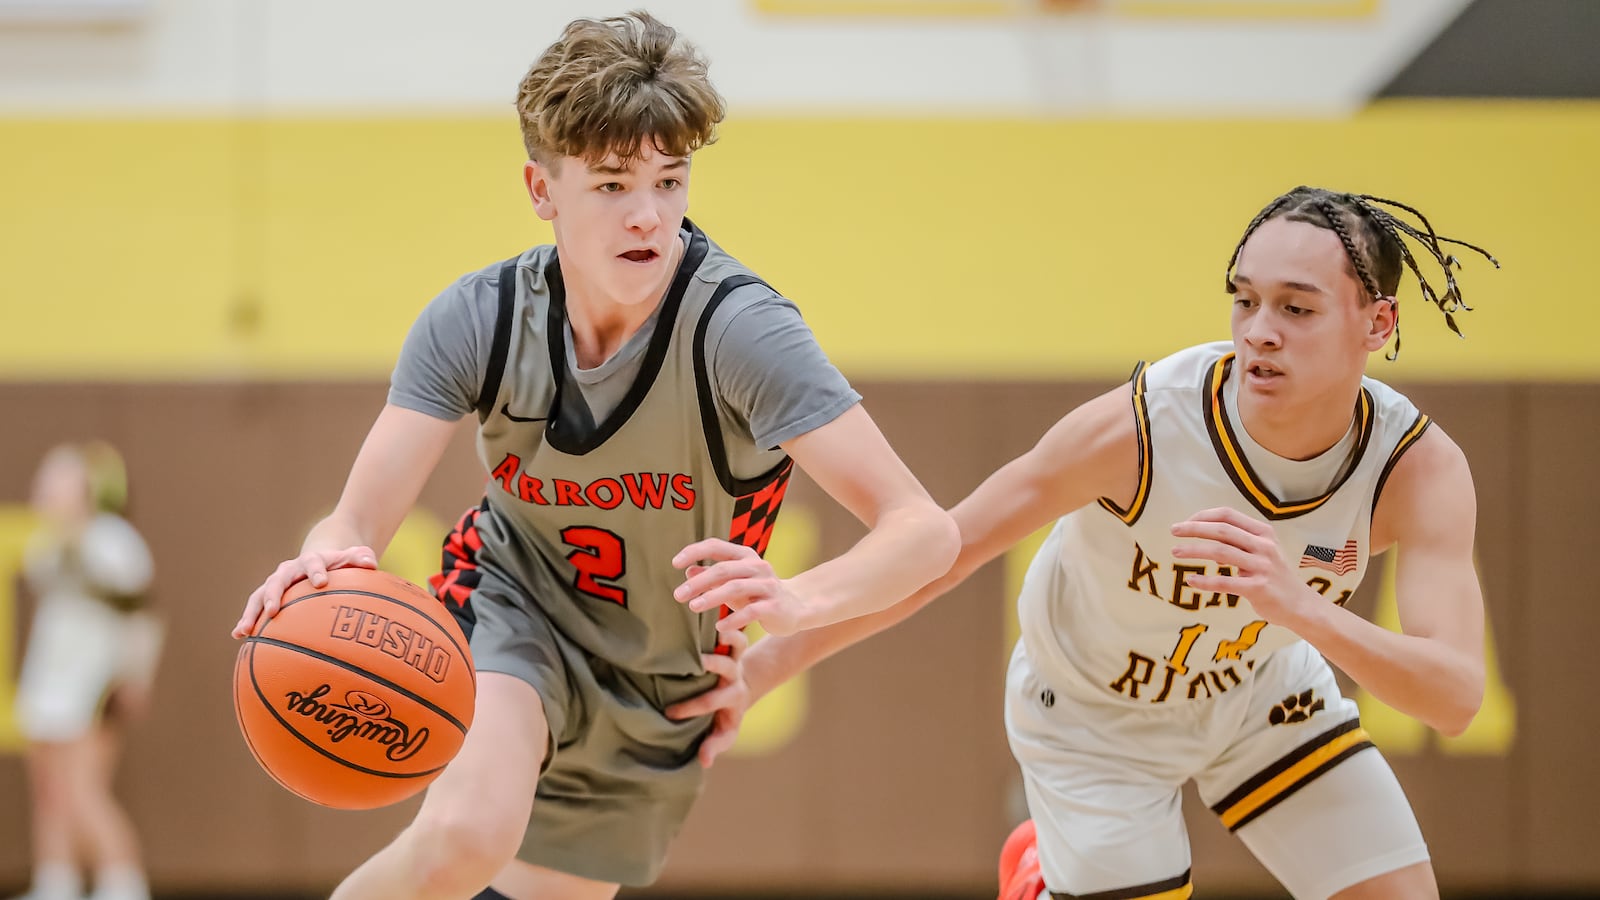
(1020, 878)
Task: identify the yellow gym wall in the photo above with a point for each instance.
(272, 249)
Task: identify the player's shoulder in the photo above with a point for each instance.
(1425, 468)
(1430, 455)
(1103, 424)
(111, 526)
(743, 305)
(471, 303)
(485, 280)
(721, 270)
(1426, 488)
(108, 533)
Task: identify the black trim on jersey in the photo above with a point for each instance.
(709, 422)
(1153, 889)
(1413, 434)
(1141, 420)
(502, 340)
(575, 444)
(1237, 465)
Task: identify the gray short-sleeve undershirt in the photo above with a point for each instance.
(773, 381)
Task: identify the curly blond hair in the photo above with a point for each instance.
(608, 85)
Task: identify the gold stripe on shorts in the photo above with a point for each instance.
(1289, 774)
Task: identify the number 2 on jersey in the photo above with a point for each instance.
(600, 554)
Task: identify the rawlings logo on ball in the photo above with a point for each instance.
(362, 716)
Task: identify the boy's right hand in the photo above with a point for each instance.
(312, 565)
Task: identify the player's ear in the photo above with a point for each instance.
(1385, 319)
(537, 176)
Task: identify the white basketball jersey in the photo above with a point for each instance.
(1104, 610)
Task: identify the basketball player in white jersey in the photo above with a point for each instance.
(88, 670)
(1212, 518)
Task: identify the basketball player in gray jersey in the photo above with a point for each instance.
(1211, 519)
(642, 400)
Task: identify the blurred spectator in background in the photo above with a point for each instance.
(86, 672)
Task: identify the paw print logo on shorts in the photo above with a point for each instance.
(1295, 708)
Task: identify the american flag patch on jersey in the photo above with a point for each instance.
(1339, 562)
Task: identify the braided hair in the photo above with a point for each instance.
(1373, 239)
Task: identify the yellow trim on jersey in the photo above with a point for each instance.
(1141, 418)
(1411, 436)
(1238, 467)
(1182, 893)
(1417, 428)
(1291, 777)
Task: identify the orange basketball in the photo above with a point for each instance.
(356, 694)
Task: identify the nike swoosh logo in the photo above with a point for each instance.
(505, 410)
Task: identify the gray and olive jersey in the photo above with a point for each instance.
(593, 489)
(1104, 609)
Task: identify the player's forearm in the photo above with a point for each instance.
(1424, 678)
(993, 519)
(395, 461)
(906, 549)
(777, 658)
(365, 517)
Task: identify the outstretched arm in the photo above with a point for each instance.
(910, 540)
(1090, 453)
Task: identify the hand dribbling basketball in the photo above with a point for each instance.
(313, 566)
(358, 691)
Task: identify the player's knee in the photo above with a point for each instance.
(86, 797)
(51, 789)
(461, 853)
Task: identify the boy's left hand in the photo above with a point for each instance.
(728, 701)
(1249, 547)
